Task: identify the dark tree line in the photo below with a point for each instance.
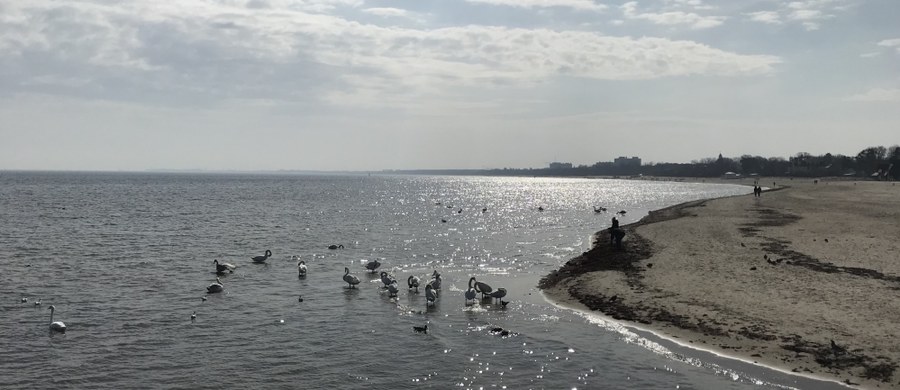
(875, 162)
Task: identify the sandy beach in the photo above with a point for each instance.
(805, 278)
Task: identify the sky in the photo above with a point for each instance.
(432, 84)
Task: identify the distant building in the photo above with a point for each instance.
(627, 162)
(560, 165)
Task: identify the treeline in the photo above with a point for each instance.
(875, 162)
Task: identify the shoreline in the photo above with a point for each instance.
(745, 278)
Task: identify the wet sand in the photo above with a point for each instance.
(805, 278)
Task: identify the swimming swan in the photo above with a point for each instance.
(222, 267)
(262, 259)
(352, 280)
(215, 287)
(301, 268)
(57, 326)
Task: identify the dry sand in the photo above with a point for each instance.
(773, 279)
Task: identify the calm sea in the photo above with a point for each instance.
(126, 259)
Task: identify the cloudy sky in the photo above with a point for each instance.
(378, 84)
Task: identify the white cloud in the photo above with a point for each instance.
(895, 43)
(220, 51)
(589, 5)
(768, 17)
(810, 14)
(387, 12)
(671, 18)
(877, 95)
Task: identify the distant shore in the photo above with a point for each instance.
(804, 278)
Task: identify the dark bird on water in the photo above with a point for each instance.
(338, 246)
(420, 329)
(742, 244)
(503, 303)
(262, 259)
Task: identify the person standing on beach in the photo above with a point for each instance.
(612, 230)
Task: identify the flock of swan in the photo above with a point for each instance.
(390, 283)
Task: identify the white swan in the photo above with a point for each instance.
(262, 259)
(470, 293)
(436, 280)
(413, 282)
(57, 326)
(430, 294)
(482, 288)
(301, 268)
(221, 268)
(387, 279)
(352, 280)
(215, 287)
(373, 265)
(393, 289)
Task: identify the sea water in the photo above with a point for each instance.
(125, 258)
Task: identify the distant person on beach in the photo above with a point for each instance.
(613, 229)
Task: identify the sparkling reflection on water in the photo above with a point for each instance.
(126, 258)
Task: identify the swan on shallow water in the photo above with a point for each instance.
(430, 294)
(413, 282)
(470, 293)
(352, 280)
(480, 287)
(262, 259)
(393, 289)
(373, 265)
(216, 287)
(301, 268)
(387, 279)
(221, 268)
(499, 294)
(435, 280)
(57, 326)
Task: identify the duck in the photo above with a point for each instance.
(216, 287)
(301, 268)
(387, 279)
(480, 287)
(193, 316)
(57, 326)
(393, 289)
(352, 280)
(38, 302)
(222, 267)
(338, 246)
(373, 265)
(413, 282)
(262, 259)
(430, 294)
(421, 329)
(24, 300)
